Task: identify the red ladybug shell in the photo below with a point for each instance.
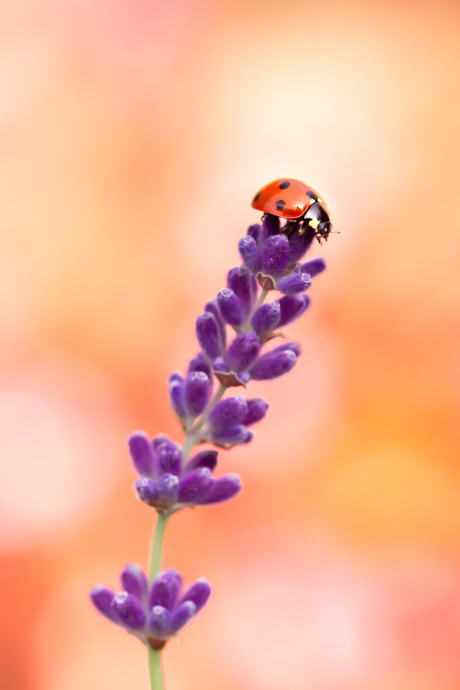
(285, 198)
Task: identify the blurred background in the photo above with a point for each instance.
(133, 136)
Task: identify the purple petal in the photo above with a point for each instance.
(276, 255)
(159, 622)
(165, 589)
(313, 267)
(206, 458)
(147, 490)
(141, 453)
(300, 244)
(234, 435)
(257, 409)
(208, 334)
(293, 346)
(198, 593)
(167, 487)
(243, 351)
(134, 581)
(169, 458)
(194, 485)
(254, 231)
(272, 365)
(158, 440)
(250, 254)
(102, 599)
(212, 308)
(266, 318)
(270, 226)
(240, 281)
(176, 390)
(294, 284)
(228, 413)
(230, 308)
(197, 391)
(200, 363)
(223, 489)
(129, 611)
(292, 306)
(181, 616)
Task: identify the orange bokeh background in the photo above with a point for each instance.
(133, 135)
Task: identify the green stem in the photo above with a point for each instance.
(155, 669)
(187, 447)
(261, 299)
(157, 546)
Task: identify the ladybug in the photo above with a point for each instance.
(298, 204)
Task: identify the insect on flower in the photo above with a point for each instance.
(298, 204)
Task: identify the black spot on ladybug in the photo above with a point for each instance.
(257, 195)
(285, 185)
(280, 205)
(312, 195)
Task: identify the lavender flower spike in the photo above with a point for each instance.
(172, 477)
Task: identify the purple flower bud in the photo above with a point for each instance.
(159, 440)
(313, 267)
(301, 243)
(292, 306)
(266, 318)
(295, 283)
(176, 389)
(254, 231)
(233, 435)
(270, 226)
(129, 611)
(198, 593)
(276, 255)
(194, 485)
(219, 364)
(223, 489)
(273, 364)
(250, 254)
(169, 458)
(102, 599)
(240, 281)
(181, 616)
(243, 351)
(208, 334)
(167, 490)
(147, 490)
(197, 391)
(200, 363)
(293, 346)
(228, 413)
(134, 581)
(206, 458)
(212, 308)
(141, 453)
(257, 409)
(160, 621)
(165, 589)
(230, 308)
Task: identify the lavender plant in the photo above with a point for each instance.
(154, 610)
